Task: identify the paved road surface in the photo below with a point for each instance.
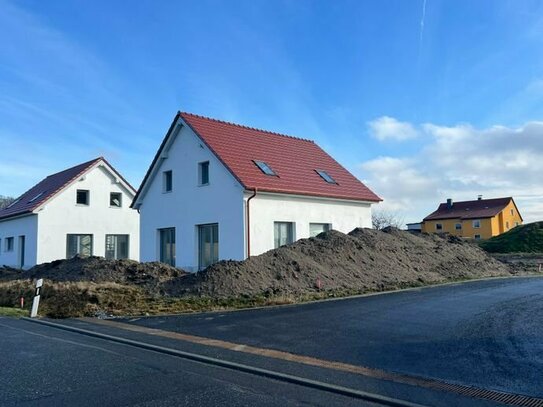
(482, 333)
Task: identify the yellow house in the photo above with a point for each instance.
(479, 219)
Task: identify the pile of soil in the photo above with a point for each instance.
(150, 276)
(363, 260)
(521, 239)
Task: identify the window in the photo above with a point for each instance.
(317, 228)
(117, 247)
(203, 173)
(512, 212)
(325, 176)
(477, 237)
(507, 225)
(9, 244)
(115, 199)
(36, 197)
(458, 226)
(82, 197)
(265, 168)
(283, 233)
(78, 245)
(167, 246)
(476, 224)
(439, 226)
(13, 203)
(208, 245)
(167, 181)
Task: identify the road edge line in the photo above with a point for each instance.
(330, 388)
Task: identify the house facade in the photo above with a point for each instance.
(218, 190)
(478, 219)
(82, 210)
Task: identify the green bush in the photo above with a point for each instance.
(521, 239)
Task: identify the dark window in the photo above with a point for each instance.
(167, 246)
(439, 226)
(477, 237)
(78, 244)
(208, 245)
(115, 199)
(317, 228)
(82, 197)
(283, 233)
(203, 173)
(458, 226)
(476, 224)
(9, 244)
(117, 247)
(325, 176)
(167, 181)
(265, 168)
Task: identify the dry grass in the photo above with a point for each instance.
(13, 312)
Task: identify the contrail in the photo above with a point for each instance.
(422, 23)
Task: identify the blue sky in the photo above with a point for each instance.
(422, 100)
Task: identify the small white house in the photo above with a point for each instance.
(82, 210)
(217, 190)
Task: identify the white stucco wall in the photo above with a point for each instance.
(265, 209)
(24, 226)
(189, 204)
(62, 215)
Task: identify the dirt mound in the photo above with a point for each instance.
(363, 260)
(521, 239)
(149, 276)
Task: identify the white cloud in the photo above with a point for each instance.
(388, 128)
(461, 162)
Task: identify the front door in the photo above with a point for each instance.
(208, 245)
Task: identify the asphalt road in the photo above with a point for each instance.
(487, 334)
(42, 366)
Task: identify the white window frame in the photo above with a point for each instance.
(88, 197)
(327, 227)
(291, 233)
(120, 199)
(477, 237)
(78, 237)
(9, 244)
(476, 223)
(165, 175)
(201, 173)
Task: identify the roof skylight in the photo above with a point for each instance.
(36, 197)
(13, 203)
(325, 176)
(265, 168)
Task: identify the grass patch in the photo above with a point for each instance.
(13, 312)
(521, 239)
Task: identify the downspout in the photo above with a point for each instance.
(248, 221)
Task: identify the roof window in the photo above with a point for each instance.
(265, 168)
(13, 203)
(36, 197)
(325, 176)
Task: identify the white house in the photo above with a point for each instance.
(82, 210)
(217, 190)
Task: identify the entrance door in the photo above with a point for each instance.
(167, 246)
(21, 251)
(208, 245)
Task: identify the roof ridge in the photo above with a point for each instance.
(247, 127)
(85, 164)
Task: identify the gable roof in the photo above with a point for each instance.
(295, 161)
(480, 208)
(49, 187)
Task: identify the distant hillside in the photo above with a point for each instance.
(522, 239)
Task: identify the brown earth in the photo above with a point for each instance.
(331, 264)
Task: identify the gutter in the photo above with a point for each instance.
(248, 223)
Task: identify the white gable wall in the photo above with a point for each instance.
(61, 216)
(265, 209)
(24, 226)
(189, 205)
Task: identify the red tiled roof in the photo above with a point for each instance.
(481, 208)
(294, 160)
(47, 188)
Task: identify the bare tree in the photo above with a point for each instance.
(5, 201)
(382, 218)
